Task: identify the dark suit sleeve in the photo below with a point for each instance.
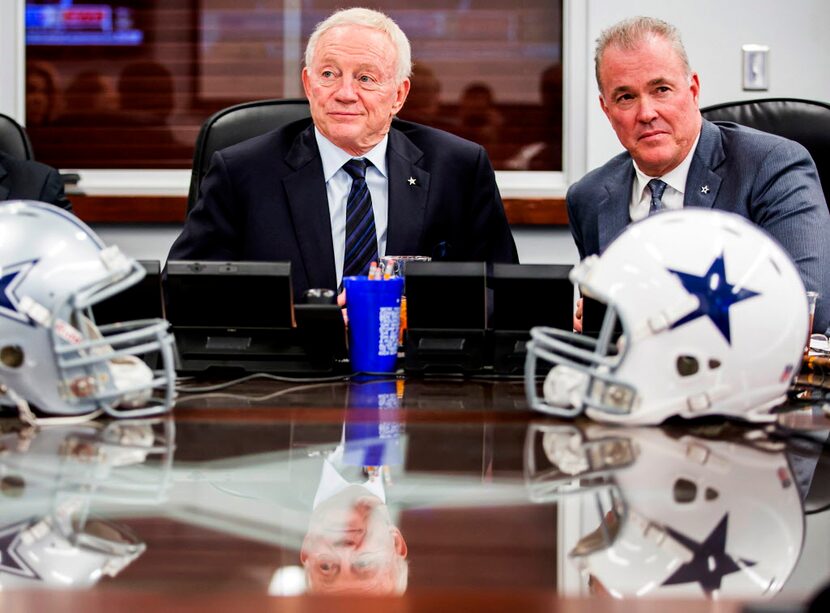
(489, 222)
(574, 223)
(211, 229)
(788, 202)
(53, 191)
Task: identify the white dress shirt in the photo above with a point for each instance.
(675, 181)
(338, 184)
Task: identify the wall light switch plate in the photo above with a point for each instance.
(756, 67)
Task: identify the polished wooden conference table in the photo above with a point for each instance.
(495, 508)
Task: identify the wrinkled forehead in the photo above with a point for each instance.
(355, 43)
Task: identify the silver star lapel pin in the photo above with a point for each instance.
(412, 181)
(704, 189)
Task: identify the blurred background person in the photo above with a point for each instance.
(423, 105)
(42, 94)
(546, 153)
(479, 119)
(90, 93)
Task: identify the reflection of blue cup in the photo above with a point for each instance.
(372, 432)
(374, 309)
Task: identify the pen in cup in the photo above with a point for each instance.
(812, 299)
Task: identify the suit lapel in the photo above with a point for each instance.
(613, 215)
(407, 199)
(703, 183)
(308, 203)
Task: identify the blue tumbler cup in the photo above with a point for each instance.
(374, 309)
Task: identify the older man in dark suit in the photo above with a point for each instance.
(674, 159)
(28, 180)
(332, 194)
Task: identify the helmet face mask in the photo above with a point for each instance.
(714, 320)
(53, 270)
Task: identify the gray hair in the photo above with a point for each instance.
(629, 33)
(368, 19)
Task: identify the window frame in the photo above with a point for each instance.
(577, 80)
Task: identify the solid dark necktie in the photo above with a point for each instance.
(657, 188)
(361, 238)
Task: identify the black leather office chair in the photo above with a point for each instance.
(13, 139)
(235, 124)
(804, 121)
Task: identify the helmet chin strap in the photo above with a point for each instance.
(31, 420)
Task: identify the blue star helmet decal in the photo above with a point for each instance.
(710, 563)
(10, 278)
(716, 296)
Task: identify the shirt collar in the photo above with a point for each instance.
(334, 157)
(675, 178)
(332, 483)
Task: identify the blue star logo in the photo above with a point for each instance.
(10, 278)
(716, 296)
(710, 563)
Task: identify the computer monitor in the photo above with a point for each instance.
(241, 315)
(140, 301)
(446, 305)
(229, 295)
(593, 316)
(524, 296)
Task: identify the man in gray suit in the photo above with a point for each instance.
(674, 158)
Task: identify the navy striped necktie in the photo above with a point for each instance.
(361, 238)
(657, 188)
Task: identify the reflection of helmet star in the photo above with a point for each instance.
(710, 562)
(10, 560)
(55, 480)
(690, 513)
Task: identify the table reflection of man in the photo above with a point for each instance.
(352, 544)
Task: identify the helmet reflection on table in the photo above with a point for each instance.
(55, 480)
(667, 514)
(53, 269)
(714, 321)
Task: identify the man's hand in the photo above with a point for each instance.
(578, 316)
(341, 302)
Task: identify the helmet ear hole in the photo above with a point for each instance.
(12, 356)
(12, 486)
(687, 365)
(685, 491)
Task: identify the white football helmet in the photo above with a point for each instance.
(719, 518)
(53, 269)
(714, 321)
